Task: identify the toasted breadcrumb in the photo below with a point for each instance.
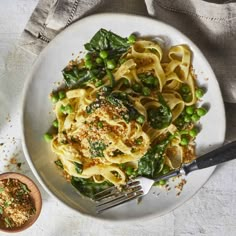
(16, 206)
(180, 186)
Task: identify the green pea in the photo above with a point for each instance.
(62, 109)
(187, 118)
(68, 109)
(146, 91)
(139, 141)
(151, 80)
(140, 119)
(137, 87)
(100, 124)
(199, 93)
(195, 117)
(129, 170)
(98, 60)
(187, 97)
(47, 137)
(184, 141)
(54, 97)
(111, 64)
(61, 94)
(98, 83)
(162, 182)
(148, 79)
(55, 123)
(103, 54)
(131, 39)
(185, 89)
(189, 110)
(88, 64)
(126, 82)
(193, 132)
(201, 111)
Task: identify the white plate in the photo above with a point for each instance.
(37, 116)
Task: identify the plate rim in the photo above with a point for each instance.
(30, 78)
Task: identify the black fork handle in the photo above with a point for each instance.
(215, 157)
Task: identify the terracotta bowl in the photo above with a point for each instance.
(35, 195)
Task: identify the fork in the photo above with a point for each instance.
(140, 186)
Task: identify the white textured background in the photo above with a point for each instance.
(212, 211)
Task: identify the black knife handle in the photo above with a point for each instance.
(217, 156)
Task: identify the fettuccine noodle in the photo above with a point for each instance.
(106, 130)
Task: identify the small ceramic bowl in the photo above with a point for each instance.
(35, 195)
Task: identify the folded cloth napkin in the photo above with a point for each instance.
(211, 25)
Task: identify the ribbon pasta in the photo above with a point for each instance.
(102, 140)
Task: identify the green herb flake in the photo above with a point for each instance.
(1, 210)
(59, 163)
(7, 203)
(100, 124)
(7, 222)
(24, 188)
(78, 167)
(1, 189)
(32, 211)
(93, 106)
(97, 148)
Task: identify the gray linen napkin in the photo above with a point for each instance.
(210, 24)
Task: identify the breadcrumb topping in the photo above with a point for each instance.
(16, 206)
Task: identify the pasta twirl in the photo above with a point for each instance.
(125, 111)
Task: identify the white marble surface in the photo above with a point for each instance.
(212, 211)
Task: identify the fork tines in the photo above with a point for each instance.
(113, 196)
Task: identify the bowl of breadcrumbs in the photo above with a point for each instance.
(20, 202)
